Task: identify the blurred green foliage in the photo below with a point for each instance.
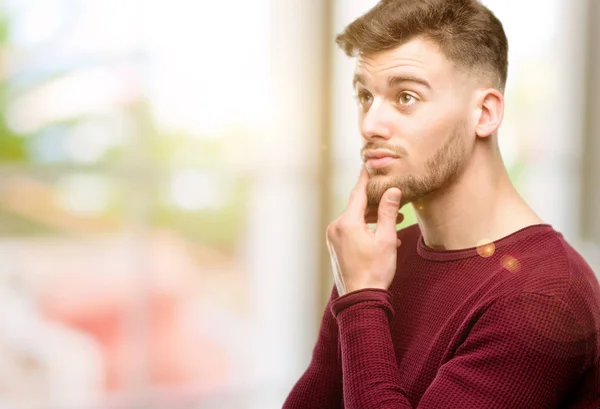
(12, 146)
(151, 155)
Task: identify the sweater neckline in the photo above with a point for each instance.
(481, 251)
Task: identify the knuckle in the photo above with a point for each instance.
(334, 228)
(342, 224)
(330, 230)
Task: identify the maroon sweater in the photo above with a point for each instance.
(512, 325)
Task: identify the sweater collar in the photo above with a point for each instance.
(481, 251)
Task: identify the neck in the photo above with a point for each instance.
(479, 206)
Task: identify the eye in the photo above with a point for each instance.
(406, 99)
(364, 97)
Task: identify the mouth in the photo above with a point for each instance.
(378, 159)
(380, 163)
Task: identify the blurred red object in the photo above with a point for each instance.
(115, 309)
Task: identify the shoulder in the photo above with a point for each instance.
(545, 263)
(548, 266)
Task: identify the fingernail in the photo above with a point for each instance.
(394, 195)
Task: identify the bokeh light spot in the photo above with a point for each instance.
(511, 264)
(486, 248)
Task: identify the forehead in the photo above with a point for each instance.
(417, 57)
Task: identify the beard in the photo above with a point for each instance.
(440, 170)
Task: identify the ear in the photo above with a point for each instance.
(490, 104)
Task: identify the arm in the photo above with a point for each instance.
(321, 384)
(523, 352)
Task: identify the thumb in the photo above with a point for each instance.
(388, 211)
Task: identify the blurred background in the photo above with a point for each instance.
(167, 170)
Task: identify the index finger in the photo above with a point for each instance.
(357, 204)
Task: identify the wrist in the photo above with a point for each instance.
(358, 287)
(366, 298)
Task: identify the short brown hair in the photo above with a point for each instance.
(466, 31)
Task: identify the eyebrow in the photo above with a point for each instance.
(394, 80)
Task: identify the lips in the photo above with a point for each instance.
(378, 159)
(379, 163)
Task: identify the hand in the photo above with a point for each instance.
(362, 257)
(371, 215)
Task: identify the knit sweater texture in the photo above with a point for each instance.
(513, 324)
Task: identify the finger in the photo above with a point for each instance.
(357, 203)
(398, 243)
(371, 216)
(386, 214)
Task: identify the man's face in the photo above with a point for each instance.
(413, 117)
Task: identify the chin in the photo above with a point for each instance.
(377, 186)
(379, 183)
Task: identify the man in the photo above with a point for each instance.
(480, 304)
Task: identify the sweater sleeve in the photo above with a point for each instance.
(321, 384)
(524, 351)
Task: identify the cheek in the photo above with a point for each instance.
(423, 139)
(423, 136)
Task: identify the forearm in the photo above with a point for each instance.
(371, 377)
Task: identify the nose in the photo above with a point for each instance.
(376, 123)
